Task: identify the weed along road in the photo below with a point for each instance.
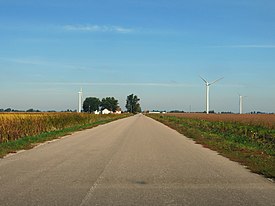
(132, 161)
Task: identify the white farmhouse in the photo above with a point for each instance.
(106, 111)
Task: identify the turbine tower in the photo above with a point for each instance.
(80, 94)
(207, 84)
(241, 103)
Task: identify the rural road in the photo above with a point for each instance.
(133, 161)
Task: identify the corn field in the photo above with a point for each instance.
(17, 125)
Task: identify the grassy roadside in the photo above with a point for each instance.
(257, 153)
(31, 141)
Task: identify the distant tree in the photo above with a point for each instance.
(132, 104)
(210, 112)
(109, 103)
(8, 110)
(91, 104)
(30, 110)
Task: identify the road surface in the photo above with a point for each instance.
(133, 161)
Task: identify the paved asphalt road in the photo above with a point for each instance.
(133, 161)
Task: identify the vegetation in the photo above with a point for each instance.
(264, 120)
(91, 104)
(132, 104)
(109, 103)
(21, 130)
(248, 139)
(16, 110)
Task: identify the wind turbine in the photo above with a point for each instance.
(207, 84)
(80, 93)
(241, 103)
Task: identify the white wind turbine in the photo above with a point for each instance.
(207, 84)
(80, 95)
(241, 103)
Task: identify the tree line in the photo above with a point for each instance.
(92, 104)
(16, 110)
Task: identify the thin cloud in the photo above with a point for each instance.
(23, 61)
(98, 28)
(137, 84)
(232, 85)
(149, 84)
(41, 62)
(255, 46)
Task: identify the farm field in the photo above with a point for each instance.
(248, 139)
(20, 130)
(265, 120)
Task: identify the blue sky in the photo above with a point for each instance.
(155, 49)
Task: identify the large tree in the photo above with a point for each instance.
(132, 104)
(91, 104)
(109, 103)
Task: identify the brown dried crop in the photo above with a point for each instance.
(264, 120)
(14, 126)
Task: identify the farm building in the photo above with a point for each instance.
(106, 111)
(96, 112)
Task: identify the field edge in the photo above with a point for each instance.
(256, 161)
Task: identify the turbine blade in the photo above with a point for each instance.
(216, 81)
(204, 80)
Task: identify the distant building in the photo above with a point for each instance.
(157, 112)
(96, 112)
(118, 111)
(106, 111)
(154, 112)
